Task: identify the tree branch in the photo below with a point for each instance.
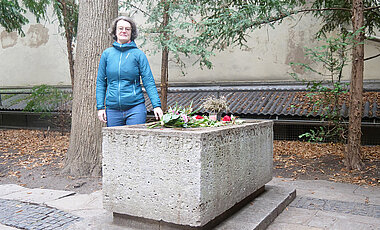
(139, 9)
(323, 9)
(369, 58)
(60, 5)
(372, 8)
(283, 15)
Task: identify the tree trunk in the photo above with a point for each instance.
(70, 56)
(353, 158)
(164, 79)
(69, 33)
(84, 153)
(165, 60)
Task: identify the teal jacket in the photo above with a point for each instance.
(118, 81)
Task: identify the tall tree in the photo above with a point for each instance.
(165, 24)
(227, 22)
(84, 153)
(67, 13)
(353, 156)
(165, 57)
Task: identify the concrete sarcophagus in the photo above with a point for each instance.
(184, 176)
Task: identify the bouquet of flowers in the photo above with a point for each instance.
(182, 117)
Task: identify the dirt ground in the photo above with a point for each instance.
(34, 159)
(313, 161)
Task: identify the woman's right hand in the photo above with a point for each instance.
(102, 115)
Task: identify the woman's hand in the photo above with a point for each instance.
(158, 113)
(102, 115)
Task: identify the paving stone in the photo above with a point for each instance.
(287, 226)
(352, 225)
(78, 202)
(320, 220)
(6, 189)
(32, 216)
(293, 215)
(37, 196)
(337, 206)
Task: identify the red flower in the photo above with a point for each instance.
(226, 118)
(198, 117)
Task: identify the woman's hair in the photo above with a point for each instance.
(112, 29)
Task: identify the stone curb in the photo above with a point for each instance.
(291, 195)
(261, 212)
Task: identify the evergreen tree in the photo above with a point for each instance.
(227, 22)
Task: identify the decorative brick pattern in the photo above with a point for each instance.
(34, 217)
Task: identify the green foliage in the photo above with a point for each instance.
(7, 96)
(200, 27)
(179, 36)
(52, 103)
(228, 22)
(317, 135)
(67, 14)
(12, 19)
(46, 98)
(12, 13)
(325, 94)
(340, 15)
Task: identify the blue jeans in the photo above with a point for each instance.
(132, 116)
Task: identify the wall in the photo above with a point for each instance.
(40, 57)
(268, 56)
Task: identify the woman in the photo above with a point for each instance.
(119, 97)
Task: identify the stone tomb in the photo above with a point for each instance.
(184, 177)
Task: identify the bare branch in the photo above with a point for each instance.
(283, 15)
(369, 58)
(139, 9)
(323, 9)
(372, 8)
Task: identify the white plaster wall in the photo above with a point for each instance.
(38, 58)
(25, 62)
(372, 67)
(267, 58)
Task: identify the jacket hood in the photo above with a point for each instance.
(125, 46)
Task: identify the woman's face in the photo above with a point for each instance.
(123, 31)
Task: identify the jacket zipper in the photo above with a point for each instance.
(121, 54)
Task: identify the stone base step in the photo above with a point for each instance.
(256, 214)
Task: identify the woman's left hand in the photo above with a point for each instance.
(158, 113)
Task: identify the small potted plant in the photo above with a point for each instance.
(215, 106)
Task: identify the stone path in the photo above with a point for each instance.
(324, 205)
(353, 208)
(319, 205)
(32, 216)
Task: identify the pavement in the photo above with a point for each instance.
(318, 205)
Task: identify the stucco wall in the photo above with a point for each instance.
(40, 57)
(268, 56)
